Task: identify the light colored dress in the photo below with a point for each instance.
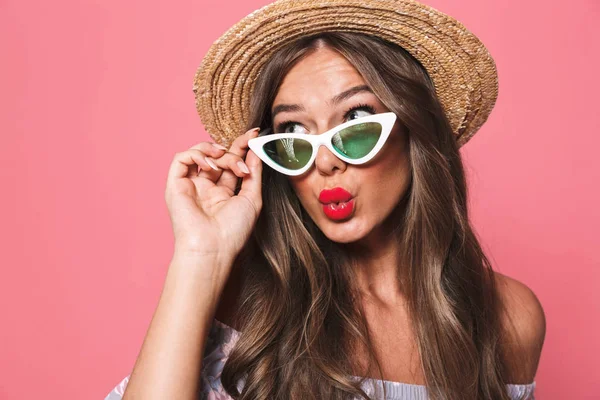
(222, 338)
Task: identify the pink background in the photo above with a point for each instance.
(97, 98)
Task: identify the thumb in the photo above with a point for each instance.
(252, 183)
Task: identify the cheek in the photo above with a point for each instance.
(306, 190)
(384, 186)
(301, 187)
(386, 182)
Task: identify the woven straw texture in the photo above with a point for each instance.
(462, 70)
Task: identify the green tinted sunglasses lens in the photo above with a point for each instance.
(289, 153)
(358, 140)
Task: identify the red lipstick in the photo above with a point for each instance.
(338, 203)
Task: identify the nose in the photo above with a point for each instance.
(327, 163)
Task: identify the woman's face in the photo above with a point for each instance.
(377, 186)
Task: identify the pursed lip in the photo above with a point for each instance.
(334, 195)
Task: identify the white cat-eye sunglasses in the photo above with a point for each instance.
(355, 142)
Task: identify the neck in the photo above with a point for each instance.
(376, 261)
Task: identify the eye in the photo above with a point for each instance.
(358, 113)
(355, 111)
(284, 127)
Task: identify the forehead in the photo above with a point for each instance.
(324, 72)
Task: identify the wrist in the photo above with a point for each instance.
(213, 266)
(199, 255)
(195, 283)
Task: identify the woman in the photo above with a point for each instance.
(342, 270)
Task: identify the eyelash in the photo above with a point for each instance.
(365, 107)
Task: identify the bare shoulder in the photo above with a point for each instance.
(524, 329)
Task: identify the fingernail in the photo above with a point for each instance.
(218, 146)
(243, 167)
(254, 129)
(211, 163)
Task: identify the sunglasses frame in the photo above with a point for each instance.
(386, 119)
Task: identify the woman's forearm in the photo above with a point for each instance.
(169, 362)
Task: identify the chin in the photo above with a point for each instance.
(347, 231)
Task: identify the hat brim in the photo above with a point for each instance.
(462, 71)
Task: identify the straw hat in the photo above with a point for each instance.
(463, 72)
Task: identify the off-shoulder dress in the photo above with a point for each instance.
(222, 338)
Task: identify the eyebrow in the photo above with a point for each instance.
(334, 100)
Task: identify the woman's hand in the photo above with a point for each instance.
(208, 218)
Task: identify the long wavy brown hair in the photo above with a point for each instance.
(299, 310)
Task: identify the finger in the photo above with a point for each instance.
(207, 149)
(186, 160)
(238, 147)
(231, 163)
(210, 149)
(251, 183)
(208, 169)
(240, 144)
